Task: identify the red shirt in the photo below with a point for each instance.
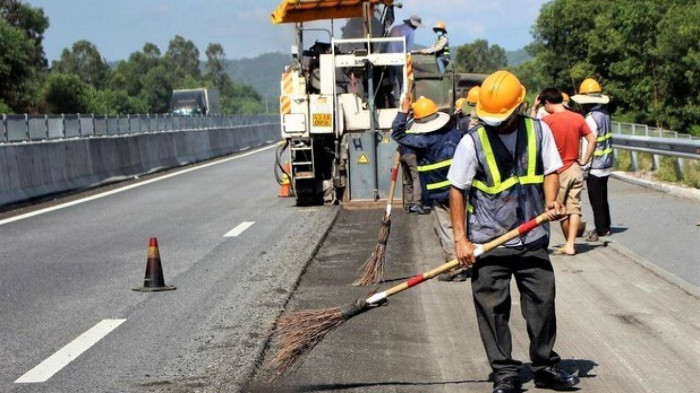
(567, 128)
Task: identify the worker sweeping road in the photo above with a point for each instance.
(433, 137)
(506, 170)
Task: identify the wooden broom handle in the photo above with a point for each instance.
(394, 177)
(479, 250)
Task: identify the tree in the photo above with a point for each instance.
(215, 68)
(678, 51)
(157, 87)
(183, 57)
(479, 57)
(84, 60)
(22, 60)
(67, 93)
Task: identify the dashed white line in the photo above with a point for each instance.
(54, 363)
(239, 229)
(126, 188)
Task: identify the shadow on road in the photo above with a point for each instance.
(580, 367)
(342, 386)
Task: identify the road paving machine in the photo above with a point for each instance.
(339, 97)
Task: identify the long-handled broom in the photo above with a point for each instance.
(373, 269)
(298, 333)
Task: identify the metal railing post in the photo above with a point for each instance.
(80, 127)
(635, 161)
(63, 126)
(680, 167)
(46, 126)
(94, 132)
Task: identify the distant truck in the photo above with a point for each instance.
(190, 102)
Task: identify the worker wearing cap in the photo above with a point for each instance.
(506, 171)
(407, 29)
(598, 120)
(440, 48)
(468, 120)
(435, 140)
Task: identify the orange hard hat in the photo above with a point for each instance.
(423, 107)
(440, 26)
(459, 103)
(473, 95)
(500, 95)
(590, 86)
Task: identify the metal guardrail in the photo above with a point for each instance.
(640, 138)
(29, 128)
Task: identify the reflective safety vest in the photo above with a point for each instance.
(435, 164)
(445, 50)
(603, 154)
(507, 189)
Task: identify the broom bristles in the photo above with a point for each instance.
(298, 333)
(373, 269)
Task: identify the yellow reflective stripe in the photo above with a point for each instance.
(604, 137)
(435, 186)
(531, 149)
(534, 179)
(490, 158)
(470, 208)
(432, 167)
(510, 182)
(603, 152)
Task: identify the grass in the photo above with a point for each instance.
(667, 170)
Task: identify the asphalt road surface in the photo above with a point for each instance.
(620, 327)
(660, 227)
(67, 277)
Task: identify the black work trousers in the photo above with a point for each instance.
(598, 195)
(491, 278)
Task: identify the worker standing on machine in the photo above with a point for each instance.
(441, 47)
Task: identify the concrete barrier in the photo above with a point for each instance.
(36, 169)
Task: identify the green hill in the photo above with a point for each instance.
(517, 57)
(262, 72)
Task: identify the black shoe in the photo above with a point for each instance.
(508, 385)
(418, 209)
(555, 379)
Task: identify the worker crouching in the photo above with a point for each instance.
(506, 170)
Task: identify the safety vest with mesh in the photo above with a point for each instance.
(434, 166)
(507, 188)
(603, 154)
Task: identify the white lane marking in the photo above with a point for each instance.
(239, 229)
(126, 188)
(54, 363)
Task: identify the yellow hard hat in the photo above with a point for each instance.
(566, 97)
(423, 107)
(500, 95)
(459, 103)
(473, 96)
(590, 86)
(440, 26)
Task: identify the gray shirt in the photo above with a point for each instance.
(465, 162)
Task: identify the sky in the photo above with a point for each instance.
(120, 27)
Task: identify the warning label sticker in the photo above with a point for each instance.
(362, 159)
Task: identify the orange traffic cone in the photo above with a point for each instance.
(154, 281)
(285, 188)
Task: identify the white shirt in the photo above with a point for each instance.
(465, 162)
(594, 129)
